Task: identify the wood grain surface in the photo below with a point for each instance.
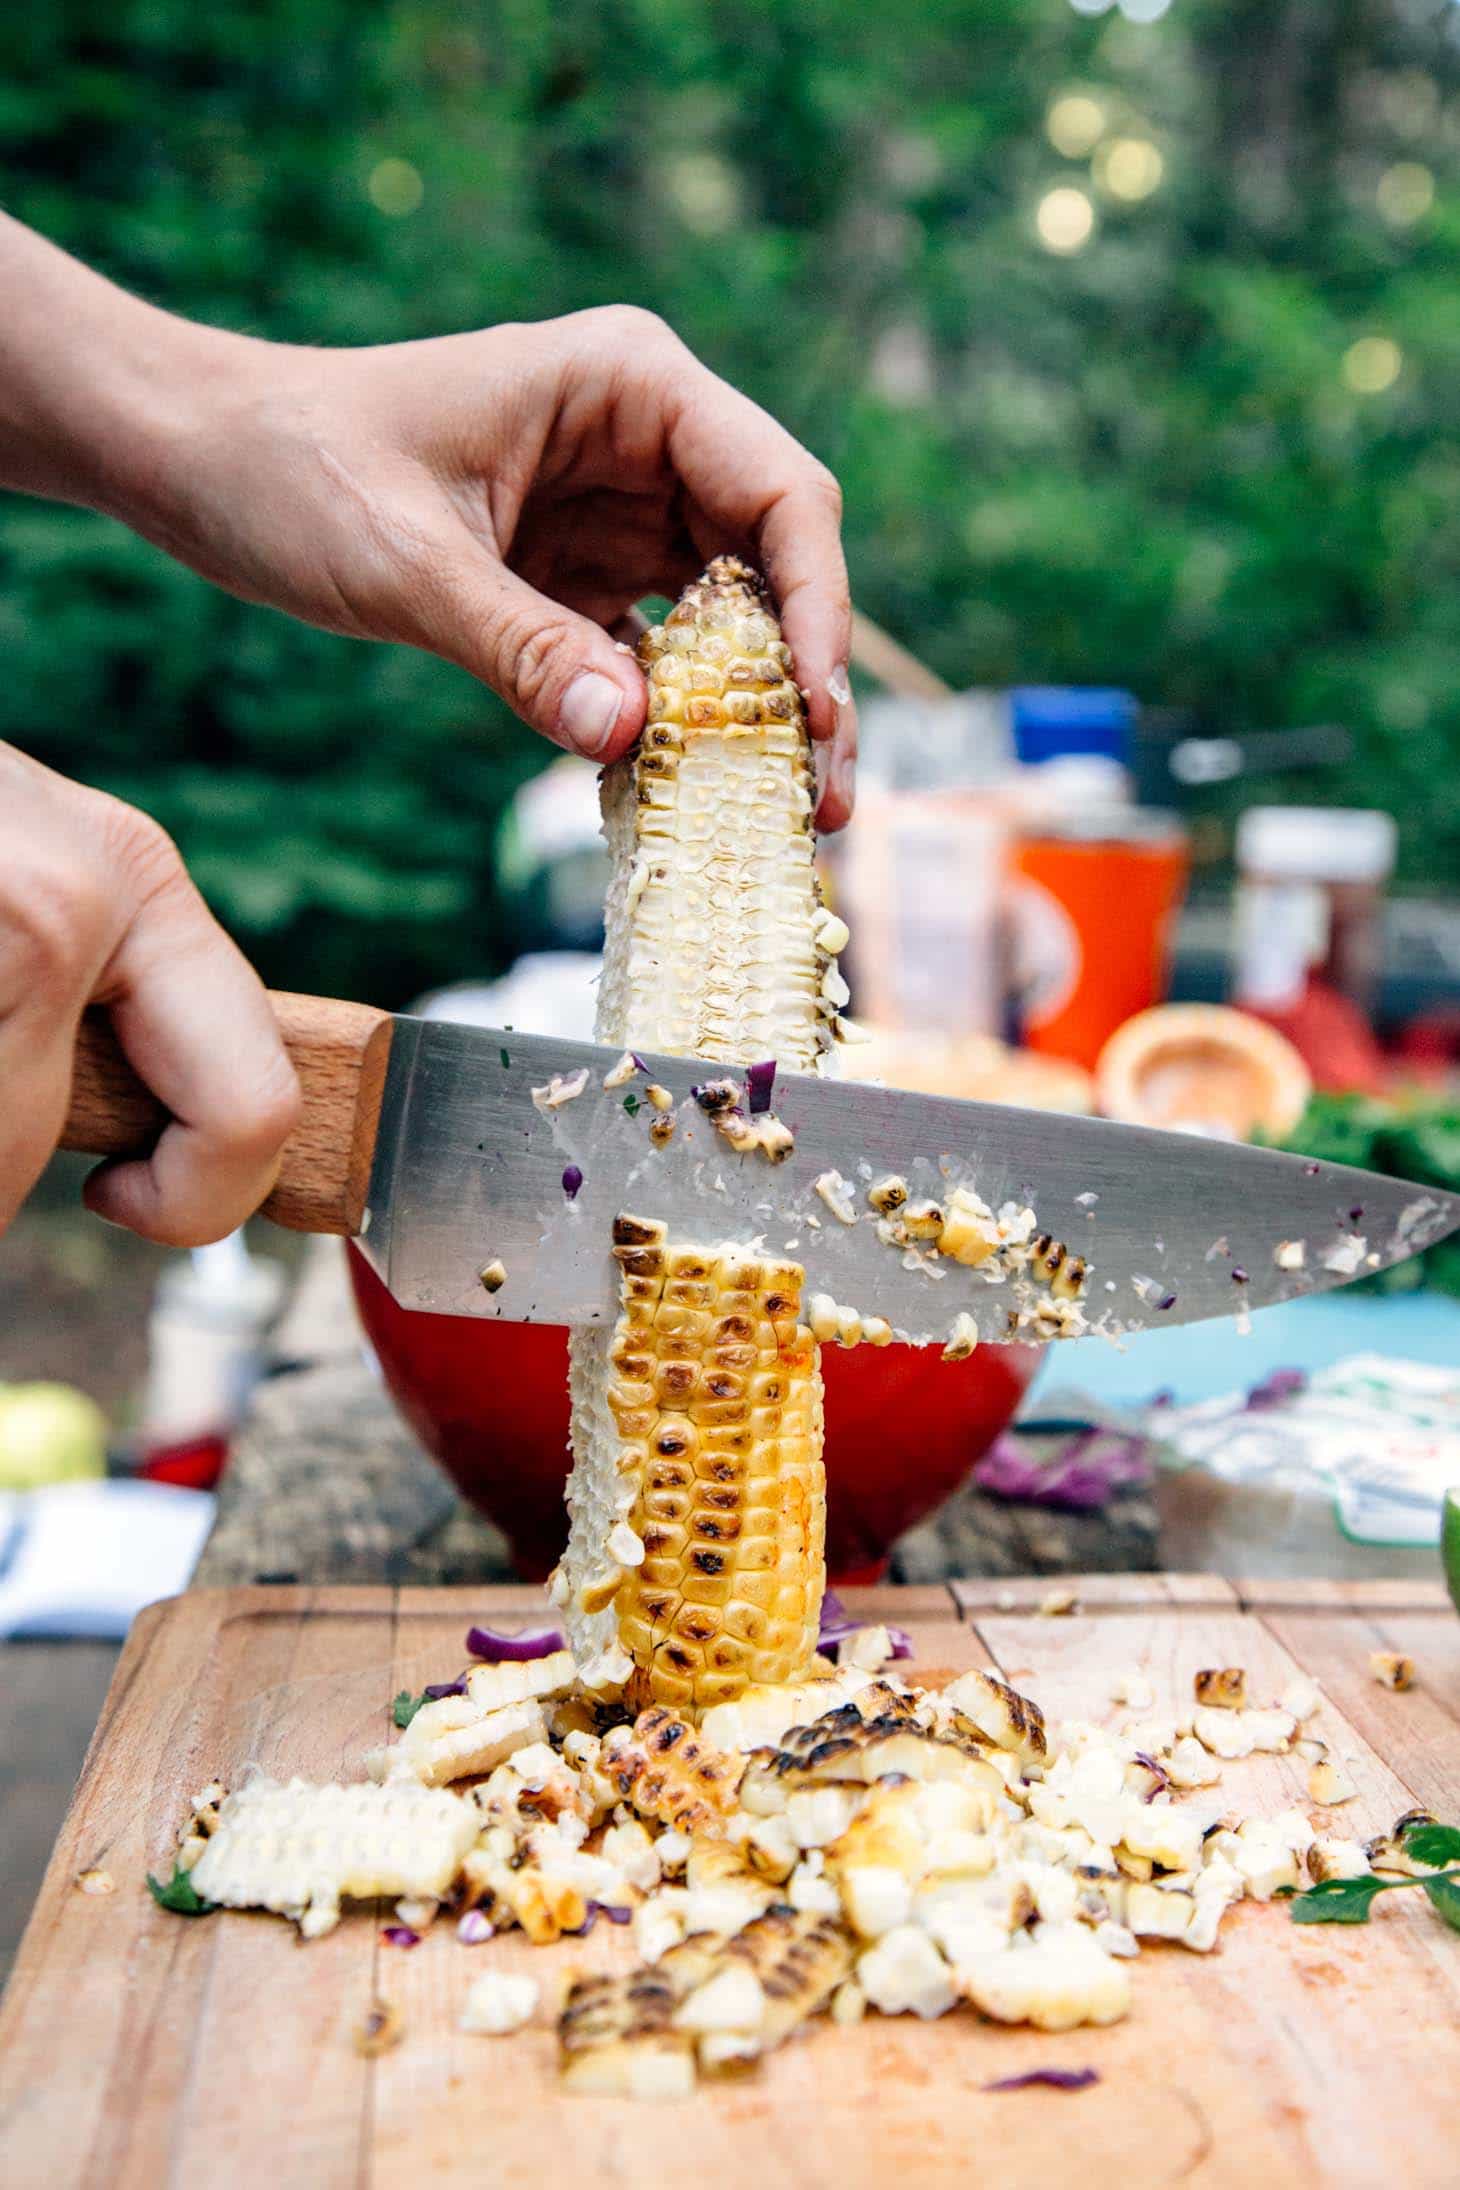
(140, 2049)
(340, 1052)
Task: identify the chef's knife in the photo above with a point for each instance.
(446, 1149)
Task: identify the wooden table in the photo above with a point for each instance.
(140, 2050)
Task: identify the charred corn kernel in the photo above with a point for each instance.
(835, 1191)
(998, 1713)
(455, 1738)
(1061, 1981)
(1222, 1687)
(697, 1423)
(1391, 1669)
(620, 1074)
(300, 1850)
(760, 1716)
(659, 1098)
(493, 1276)
(668, 1772)
(848, 1327)
(845, 1749)
(887, 1194)
(962, 1339)
(499, 2002)
(970, 1231)
(697, 1420)
(832, 933)
(1329, 1784)
(617, 2039)
(493, 1687)
(661, 1131)
(922, 1220)
(1336, 1859)
(822, 1315)
(876, 1331)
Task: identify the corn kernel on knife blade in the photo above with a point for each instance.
(469, 1170)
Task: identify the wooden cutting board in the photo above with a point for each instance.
(139, 2049)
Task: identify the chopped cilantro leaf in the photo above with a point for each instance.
(179, 1894)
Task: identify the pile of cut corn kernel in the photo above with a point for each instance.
(848, 1843)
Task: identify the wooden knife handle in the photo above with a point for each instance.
(340, 1052)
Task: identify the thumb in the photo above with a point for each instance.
(558, 671)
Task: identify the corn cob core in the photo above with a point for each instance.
(695, 1558)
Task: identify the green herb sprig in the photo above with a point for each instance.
(405, 1707)
(1349, 1900)
(179, 1894)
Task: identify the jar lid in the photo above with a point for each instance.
(1317, 843)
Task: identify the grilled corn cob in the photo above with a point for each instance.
(697, 1420)
(300, 1850)
(697, 1426)
(713, 910)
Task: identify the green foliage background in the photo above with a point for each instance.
(1139, 463)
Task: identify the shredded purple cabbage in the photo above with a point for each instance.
(1055, 2079)
(1161, 1775)
(1275, 1390)
(499, 1649)
(572, 1180)
(435, 1690)
(1081, 1475)
(473, 1930)
(759, 1080)
(400, 1935)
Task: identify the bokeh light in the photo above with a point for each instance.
(706, 192)
(1075, 124)
(1405, 194)
(1372, 364)
(395, 188)
(1129, 168)
(1065, 219)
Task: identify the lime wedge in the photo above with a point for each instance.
(1450, 1544)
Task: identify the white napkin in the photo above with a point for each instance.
(83, 1558)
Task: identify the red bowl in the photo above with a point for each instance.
(490, 1400)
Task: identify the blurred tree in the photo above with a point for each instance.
(1136, 344)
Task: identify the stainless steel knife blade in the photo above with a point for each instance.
(470, 1168)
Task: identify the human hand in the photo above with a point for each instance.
(95, 908)
(503, 499)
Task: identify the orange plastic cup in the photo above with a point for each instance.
(1093, 908)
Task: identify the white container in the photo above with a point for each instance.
(205, 1341)
(1310, 896)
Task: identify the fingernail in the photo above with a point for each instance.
(589, 711)
(844, 781)
(839, 685)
